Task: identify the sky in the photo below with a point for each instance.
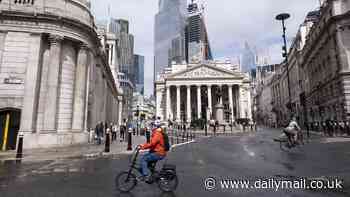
(230, 23)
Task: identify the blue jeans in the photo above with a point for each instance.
(145, 159)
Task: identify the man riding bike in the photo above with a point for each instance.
(291, 132)
(156, 150)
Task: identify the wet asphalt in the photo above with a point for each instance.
(249, 157)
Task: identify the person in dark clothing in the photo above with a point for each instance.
(105, 128)
(347, 127)
(216, 126)
(307, 130)
(96, 137)
(122, 130)
(99, 131)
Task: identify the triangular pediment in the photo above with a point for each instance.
(205, 71)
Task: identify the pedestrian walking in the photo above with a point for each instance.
(329, 127)
(324, 128)
(332, 124)
(307, 130)
(336, 128)
(347, 127)
(114, 132)
(108, 141)
(105, 126)
(316, 126)
(91, 135)
(99, 132)
(122, 130)
(96, 132)
(341, 127)
(251, 124)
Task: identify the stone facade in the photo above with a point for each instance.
(264, 101)
(194, 91)
(319, 68)
(326, 64)
(54, 71)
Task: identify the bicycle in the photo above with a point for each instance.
(166, 178)
(284, 143)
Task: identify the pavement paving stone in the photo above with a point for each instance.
(77, 151)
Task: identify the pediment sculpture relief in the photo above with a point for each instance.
(203, 72)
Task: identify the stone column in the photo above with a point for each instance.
(113, 56)
(178, 103)
(199, 103)
(87, 90)
(109, 54)
(50, 114)
(79, 89)
(31, 90)
(230, 98)
(210, 105)
(168, 104)
(188, 104)
(240, 103)
(120, 109)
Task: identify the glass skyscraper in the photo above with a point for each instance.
(198, 46)
(139, 80)
(169, 38)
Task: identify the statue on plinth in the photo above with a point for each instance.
(219, 107)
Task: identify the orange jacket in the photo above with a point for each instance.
(157, 142)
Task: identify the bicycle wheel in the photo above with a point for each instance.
(125, 182)
(168, 182)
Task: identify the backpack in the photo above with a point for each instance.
(166, 141)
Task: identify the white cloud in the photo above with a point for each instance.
(229, 22)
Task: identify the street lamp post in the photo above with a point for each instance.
(282, 17)
(138, 119)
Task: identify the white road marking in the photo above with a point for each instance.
(250, 153)
(176, 145)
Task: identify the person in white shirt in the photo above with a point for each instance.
(114, 132)
(292, 131)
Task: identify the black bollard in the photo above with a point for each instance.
(187, 137)
(19, 154)
(214, 130)
(107, 144)
(129, 140)
(206, 129)
(183, 137)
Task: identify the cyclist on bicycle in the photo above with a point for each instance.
(291, 132)
(156, 150)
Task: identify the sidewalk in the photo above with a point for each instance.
(76, 151)
(319, 135)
